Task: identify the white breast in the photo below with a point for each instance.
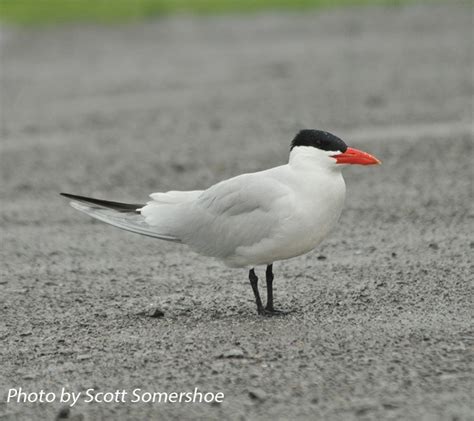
(313, 209)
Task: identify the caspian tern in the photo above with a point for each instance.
(252, 219)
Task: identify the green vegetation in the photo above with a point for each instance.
(55, 11)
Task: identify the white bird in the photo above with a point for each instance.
(252, 219)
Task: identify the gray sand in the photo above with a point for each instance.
(381, 327)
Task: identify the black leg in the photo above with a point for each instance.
(254, 283)
(269, 309)
(269, 277)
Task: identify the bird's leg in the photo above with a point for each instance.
(269, 310)
(269, 278)
(254, 283)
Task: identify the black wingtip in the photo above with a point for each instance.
(79, 198)
(118, 206)
(70, 196)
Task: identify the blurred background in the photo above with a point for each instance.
(184, 82)
(118, 99)
(106, 11)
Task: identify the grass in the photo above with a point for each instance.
(106, 11)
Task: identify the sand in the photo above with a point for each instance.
(381, 326)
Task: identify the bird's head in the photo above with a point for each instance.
(328, 150)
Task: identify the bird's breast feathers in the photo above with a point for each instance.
(312, 210)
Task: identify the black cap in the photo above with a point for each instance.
(318, 139)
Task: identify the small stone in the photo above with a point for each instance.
(156, 313)
(257, 394)
(390, 405)
(63, 413)
(362, 410)
(394, 254)
(83, 357)
(26, 333)
(433, 246)
(233, 353)
(321, 257)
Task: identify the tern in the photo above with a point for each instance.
(252, 219)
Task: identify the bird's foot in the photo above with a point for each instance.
(270, 312)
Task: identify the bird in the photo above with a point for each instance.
(253, 219)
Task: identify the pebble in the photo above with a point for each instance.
(233, 353)
(156, 313)
(83, 357)
(65, 414)
(257, 394)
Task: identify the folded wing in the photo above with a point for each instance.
(237, 213)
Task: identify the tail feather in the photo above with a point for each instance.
(121, 215)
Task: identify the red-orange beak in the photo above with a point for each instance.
(354, 156)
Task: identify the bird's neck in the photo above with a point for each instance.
(312, 160)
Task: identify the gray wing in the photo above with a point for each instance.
(238, 212)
